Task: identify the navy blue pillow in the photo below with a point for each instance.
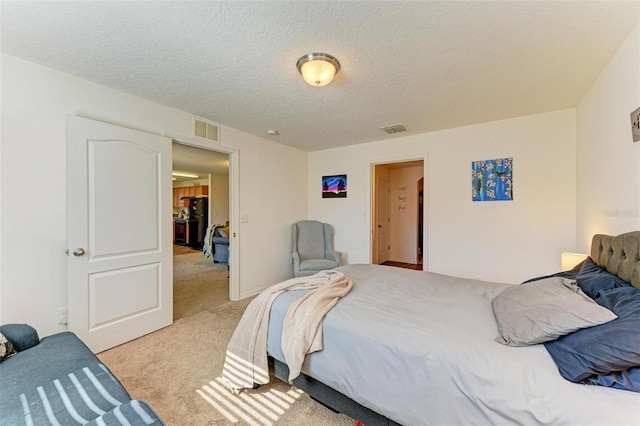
(627, 380)
(592, 279)
(606, 348)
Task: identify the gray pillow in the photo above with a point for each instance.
(544, 310)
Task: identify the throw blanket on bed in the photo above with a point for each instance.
(207, 246)
(246, 362)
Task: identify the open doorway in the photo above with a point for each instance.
(397, 213)
(200, 205)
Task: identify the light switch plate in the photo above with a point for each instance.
(62, 315)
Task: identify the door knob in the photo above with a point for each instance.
(379, 226)
(78, 252)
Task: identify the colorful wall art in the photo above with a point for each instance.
(492, 180)
(334, 186)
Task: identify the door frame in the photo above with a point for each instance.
(372, 203)
(234, 203)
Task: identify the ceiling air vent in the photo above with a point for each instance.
(396, 128)
(205, 129)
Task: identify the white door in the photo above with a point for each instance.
(382, 219)
(119, 265)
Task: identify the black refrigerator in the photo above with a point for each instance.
(198, 214)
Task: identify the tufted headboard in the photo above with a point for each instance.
(620, 255)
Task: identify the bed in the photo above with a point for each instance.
(412, 348)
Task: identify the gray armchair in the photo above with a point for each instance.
(312, 250)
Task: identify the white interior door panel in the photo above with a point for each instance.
(119, 197)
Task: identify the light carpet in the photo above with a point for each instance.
(198, 284)
(177, 371)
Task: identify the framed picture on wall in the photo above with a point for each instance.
(492, 180)
(334, 186)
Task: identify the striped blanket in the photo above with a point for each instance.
(88, 395)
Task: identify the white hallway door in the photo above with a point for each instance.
(119, 265)
(382, 219)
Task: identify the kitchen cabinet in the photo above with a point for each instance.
(188, 191)
(177, 194)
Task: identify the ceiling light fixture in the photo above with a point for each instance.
(318, 69)
(185, 174)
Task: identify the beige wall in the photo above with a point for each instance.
(219, 199)
(35, 104)
(608, 162)
(499, 241)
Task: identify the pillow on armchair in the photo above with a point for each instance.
(6, 348)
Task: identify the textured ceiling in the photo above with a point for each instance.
(430, 65)
(198, 161)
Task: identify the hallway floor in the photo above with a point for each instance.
(416, 266)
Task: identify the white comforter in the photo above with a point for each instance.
(419, 348)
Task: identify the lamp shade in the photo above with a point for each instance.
(569, 260)
(318, 69)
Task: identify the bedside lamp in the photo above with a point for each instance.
(569, 260)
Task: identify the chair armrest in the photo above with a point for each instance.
(220, 240)
(21, 336)
(333, 255)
